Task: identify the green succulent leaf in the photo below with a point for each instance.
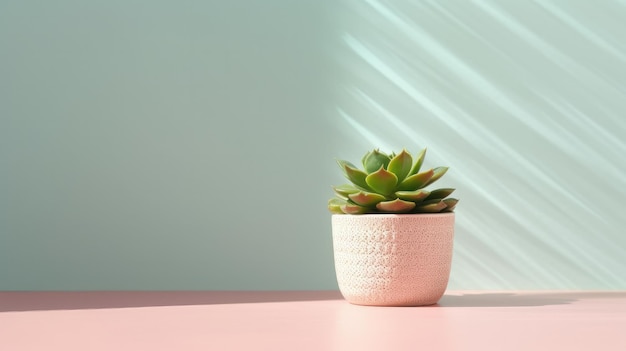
(334, 205)
(390, 183)
(400, 165)
(366, 199)
(355, 175)
(440, 193)
(413, 196)
(450, 203)
(373, 160)
(343, 163)
(345, 190)
(365, 157)
(438, 173)
(429, 202)
(416, 181)
(382, 181)
(431, 207)
(395, 206)
(352, 208)
(418, 162)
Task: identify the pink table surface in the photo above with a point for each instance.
(310, 320)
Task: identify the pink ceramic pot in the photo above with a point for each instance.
(393, 259)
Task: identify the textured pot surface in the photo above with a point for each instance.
(393, 260)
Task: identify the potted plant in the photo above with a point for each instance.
(392, 238)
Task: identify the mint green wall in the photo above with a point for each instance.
(191, 144)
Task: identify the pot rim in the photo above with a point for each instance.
(395, 215)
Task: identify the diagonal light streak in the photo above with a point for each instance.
(580, 118)
(361, 129)
(613, 142)
(437, 6)
(581, 29)
(561, 60)
(391, 74)
(480, 263)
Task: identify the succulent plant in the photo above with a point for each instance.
(390, 184)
